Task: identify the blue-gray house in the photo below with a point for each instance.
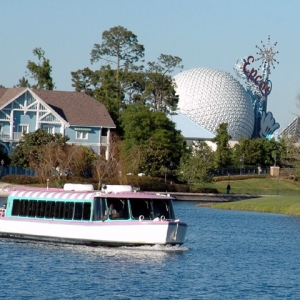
(83, 119)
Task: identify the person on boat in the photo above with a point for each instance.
(111, 210)
(2, 211)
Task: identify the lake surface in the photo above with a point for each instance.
(227, 255)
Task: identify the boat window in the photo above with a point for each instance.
(141, 207)
(69, 209)
(40, 212)
(59, 210)
(162, 208)
(32, 208)
(49, 213)
(98, 209)
(86, 211)
(16, 207)
(120, 209)
(124, 213)
(78, 211)
(23, 208)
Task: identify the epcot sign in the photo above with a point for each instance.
(257, 79)
(258, 87)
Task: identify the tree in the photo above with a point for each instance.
(160, 92)
(109, 170)
(23, 82)
(64, 160)
(152, 137)
(27, 152)
(223, 152)
(258, 152)
(49, 155)
(85, 81)
(41, 72)
(119, 48)
(196, 163)
(120, 51)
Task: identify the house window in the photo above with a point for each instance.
(23, 129)
(82, 135)
(49, 129)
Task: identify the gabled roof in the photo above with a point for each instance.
(6, 95)
(190, 130)
(76, 108)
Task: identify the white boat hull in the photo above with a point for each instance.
(95, 233)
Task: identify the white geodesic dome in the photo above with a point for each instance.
(210, 97)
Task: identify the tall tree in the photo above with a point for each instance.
(119, 48)
(41, 71)
(223, 152)
(160, 92)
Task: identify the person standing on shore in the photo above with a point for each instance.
(228, 188)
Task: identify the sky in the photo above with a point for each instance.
(203, 33)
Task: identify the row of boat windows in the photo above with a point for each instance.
(52, 209)
(149, 209)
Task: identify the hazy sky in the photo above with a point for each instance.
(204, 33)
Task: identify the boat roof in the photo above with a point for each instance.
(52, 193)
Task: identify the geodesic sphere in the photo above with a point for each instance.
(210, 97)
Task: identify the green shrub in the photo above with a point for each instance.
(206, 190)
(20, 179)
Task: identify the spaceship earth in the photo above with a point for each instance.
(210, 97)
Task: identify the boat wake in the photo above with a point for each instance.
(165, 248)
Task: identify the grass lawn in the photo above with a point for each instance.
(259, 186)
(288, 205)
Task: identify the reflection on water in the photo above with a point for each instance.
(153, 253)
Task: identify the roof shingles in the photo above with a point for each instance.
(76, 108)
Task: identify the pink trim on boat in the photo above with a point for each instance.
(94, 223)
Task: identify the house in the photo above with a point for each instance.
(83, 119)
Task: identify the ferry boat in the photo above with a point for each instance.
(77, 214)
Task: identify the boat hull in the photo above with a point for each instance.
(129, 233)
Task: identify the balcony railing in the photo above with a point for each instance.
(16, 136)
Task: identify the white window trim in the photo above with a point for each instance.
(49, 128)
(24, 125)
(82, 135)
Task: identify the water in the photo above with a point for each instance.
(227, 255)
